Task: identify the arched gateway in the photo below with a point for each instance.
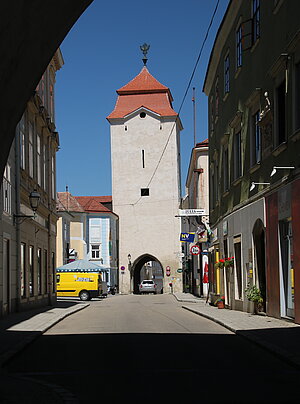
(146, 179)
(147, 267)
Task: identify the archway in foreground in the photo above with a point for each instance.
(147, 267)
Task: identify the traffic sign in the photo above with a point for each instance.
(179, 270)
(168, 271)
(195, 250)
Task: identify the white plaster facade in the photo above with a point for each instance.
(145, 155)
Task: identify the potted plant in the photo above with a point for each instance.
(229, 262)
(220, 302)
(254, 295)
(219, 264)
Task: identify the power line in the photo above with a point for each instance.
(184, 97)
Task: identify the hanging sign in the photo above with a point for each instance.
(188, 237)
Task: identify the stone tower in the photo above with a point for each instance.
(145, 155)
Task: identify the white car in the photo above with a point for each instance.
(148, 286)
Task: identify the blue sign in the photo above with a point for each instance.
(188, 237)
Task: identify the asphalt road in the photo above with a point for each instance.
(147, 348)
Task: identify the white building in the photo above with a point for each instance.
(145, 148)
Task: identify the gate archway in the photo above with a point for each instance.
(141, 271)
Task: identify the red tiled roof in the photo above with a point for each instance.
(202, 144)
(143, 91)
(94, 203)
(67, 202)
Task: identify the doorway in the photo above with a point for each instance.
(147, 267)
(287, 271)
(258, 234)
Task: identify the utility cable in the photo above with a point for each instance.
(184, 97)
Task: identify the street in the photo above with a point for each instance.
(145, 348)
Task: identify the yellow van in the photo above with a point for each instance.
(86, 285)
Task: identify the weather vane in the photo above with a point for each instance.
(144, 48)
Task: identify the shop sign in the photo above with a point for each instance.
(187, 237)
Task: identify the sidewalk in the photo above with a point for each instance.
(281, 337)
(17, 330)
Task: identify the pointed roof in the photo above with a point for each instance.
(91, 204)
(144, 82)
(143, 91)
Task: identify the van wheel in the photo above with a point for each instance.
(84, 295)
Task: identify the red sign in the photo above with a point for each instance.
(168, 271)
(205, 275)
(195, 250)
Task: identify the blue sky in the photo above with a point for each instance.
(102, 53)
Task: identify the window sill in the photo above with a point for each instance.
(254, 168)
(237, 181)
(296, 135)
(225, 97)
(238, 71)
(279, 149)
(255, 45)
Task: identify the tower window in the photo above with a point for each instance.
(144, 191)
(143, 115)
(143, 158)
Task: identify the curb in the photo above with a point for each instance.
(275, 350)
(4, 358)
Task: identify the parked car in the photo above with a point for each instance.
(148, 286)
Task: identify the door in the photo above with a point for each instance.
(6, 277)
(287, 270)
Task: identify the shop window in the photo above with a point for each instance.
(23, 269)
(31, 270)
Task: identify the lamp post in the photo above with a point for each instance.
(130, 274)
(34, 200)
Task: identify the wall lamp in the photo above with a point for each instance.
(280, 168)
(253, 185)
(34, 200)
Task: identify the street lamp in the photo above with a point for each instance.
(34, 200)
(275, 168)
(253, 185)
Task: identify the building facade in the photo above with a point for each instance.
(88, 229)
(27, 252)
(195, 266)
(146, 180)
(252, 84)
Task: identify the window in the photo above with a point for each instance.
(38, 159)
(239, 47)
(31, 270)
(212, 114)
(96, 251)
(23, 270)
(143, 158)
(7, 203)
(39, 274)
(145, 192)
(45, 167)
(297, 94)
(255, 139)
(217, 98)
(256, 19)
(30, 149)
(225, 169)
(45, 274)
(237, 155)
(280, 114)
(226, 75)
(53, 176)
(53, 272)
(143, 115)
(22, 142)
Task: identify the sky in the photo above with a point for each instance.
(102, 53)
